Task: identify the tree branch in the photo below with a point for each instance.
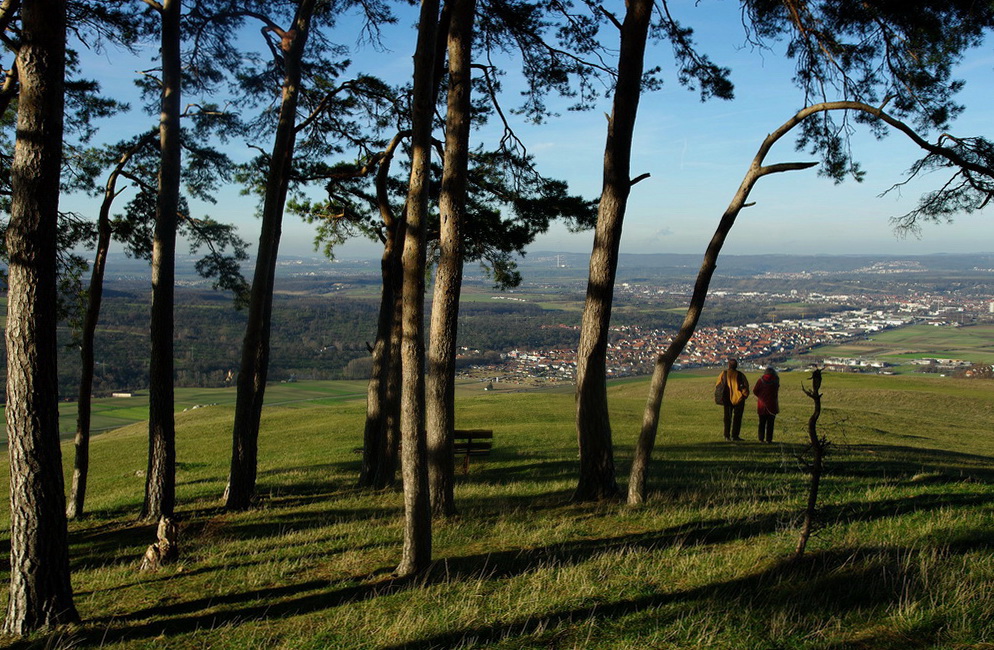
(142, 184)
(9, 89)
(785, 167)
(8, 13)
(509, 134)
(610, 16)
(323, 104)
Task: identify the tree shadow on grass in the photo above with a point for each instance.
(699, 533)
(318, 595)
(111, 544)
(695, 466)
(831, 583)
(731, 472)
(704, 459)
(116, 543)
(279, 524)
(172, 573)
(823, 586)
(533, 467)
(322, 482)
(104, 543)
(890, 460)
(210, 612)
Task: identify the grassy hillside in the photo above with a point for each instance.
(903, 559)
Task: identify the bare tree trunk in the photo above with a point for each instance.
(593, 426)
(160, 477)
(440, 395)
(386, 473)
(81, 442)
(81, 464)
(375, 429)
(254, 367)
(40, 588)
(379, 405)
(665, 361)
(818, 447)
(757, 169)
(417, 512)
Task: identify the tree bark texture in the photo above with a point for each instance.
(593, 425)
(375, 430)
(254, 367)
(81, 441)
(160, 476)
(40, 589)
(417, 511)
(386, 473)
(381, 401)
(440, 389)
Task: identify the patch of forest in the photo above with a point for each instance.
(321, 336)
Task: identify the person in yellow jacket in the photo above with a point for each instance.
(735, 392)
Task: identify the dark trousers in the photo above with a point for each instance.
(733, 420)
(766, 427)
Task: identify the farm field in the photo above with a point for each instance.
(973, 343)
(115, 412)
(903, 557)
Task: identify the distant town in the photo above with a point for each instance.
(788, 311)
(632, 350)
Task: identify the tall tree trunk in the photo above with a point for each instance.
(375, 429)
(593, 426)
(375, 450)
(440, 389)
(81, 463)
(417, 512)
(40, 589)
(386, 473)
(255, 349)
(81, 442)
(160, 477)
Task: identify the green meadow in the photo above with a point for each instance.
(902, 558)
(974, 343)
(115, 412)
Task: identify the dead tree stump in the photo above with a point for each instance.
(166, 550)
(816, 468)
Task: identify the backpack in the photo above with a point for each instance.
(721, 393)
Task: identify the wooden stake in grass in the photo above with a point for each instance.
(818, 447)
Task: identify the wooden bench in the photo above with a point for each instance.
(472, 442)
(467, 442)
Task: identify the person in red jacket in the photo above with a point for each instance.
(736, 390)
(767, 391)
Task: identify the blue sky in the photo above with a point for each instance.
(696, 154)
